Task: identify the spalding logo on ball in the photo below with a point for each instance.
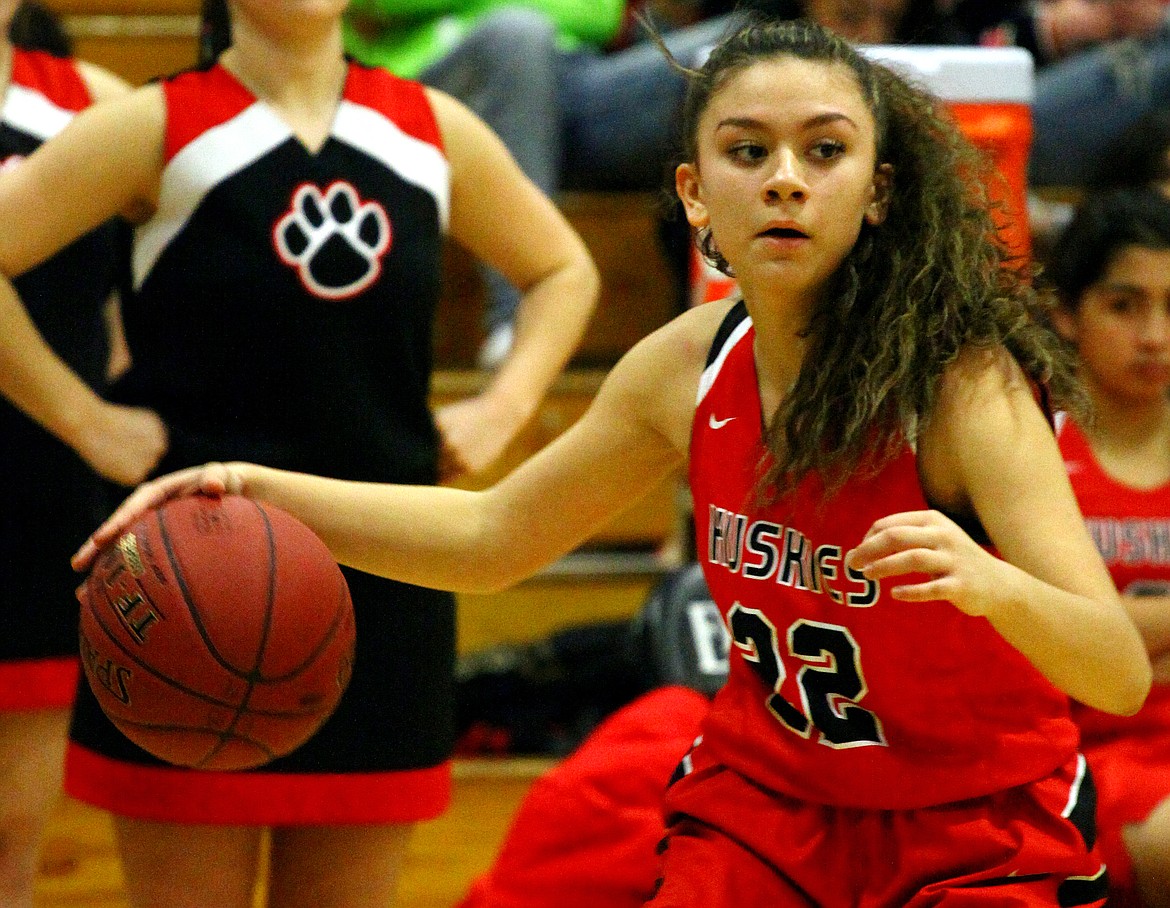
(217, 633)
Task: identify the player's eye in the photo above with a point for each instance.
(747, 152)
(827, 149)
(1121, 304)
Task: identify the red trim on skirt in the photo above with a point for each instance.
(33, 684)
(174, 795)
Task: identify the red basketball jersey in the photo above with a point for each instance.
(836, 693)
(1131, 528)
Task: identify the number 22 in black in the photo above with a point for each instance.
(829, 678)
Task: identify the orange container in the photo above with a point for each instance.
(1004, 132)
(989, 90)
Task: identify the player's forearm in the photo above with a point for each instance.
(426, 535)
(1088, 649)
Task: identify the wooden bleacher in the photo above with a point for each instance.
(142, 39)
(636, 298)
(138, 39)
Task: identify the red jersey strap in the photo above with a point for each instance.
(56, 78)
(400, 100)
(198, 100)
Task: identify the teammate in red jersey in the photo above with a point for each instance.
(41, 90)
(1112, 269)
(895, 729)
(289, 209)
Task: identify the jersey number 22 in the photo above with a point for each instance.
(829, 678)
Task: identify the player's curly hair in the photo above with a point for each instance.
(934, 278)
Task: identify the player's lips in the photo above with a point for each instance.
(784, 230)
(783, 236)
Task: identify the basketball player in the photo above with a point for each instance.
(1112, 269)
(290, 212)
(39, 94)
(895, 728)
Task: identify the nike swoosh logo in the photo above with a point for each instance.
(718, 423)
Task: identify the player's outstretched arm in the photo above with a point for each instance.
(635, 433)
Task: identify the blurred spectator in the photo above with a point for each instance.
(1101, 64)
(1141, 154)
(1138, 156)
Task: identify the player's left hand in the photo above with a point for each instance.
(958, 570)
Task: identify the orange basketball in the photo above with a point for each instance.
(217, 633)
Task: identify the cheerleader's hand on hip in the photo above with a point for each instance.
(122, 444)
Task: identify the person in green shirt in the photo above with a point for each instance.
(408, 37)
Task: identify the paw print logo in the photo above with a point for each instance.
(334, 240)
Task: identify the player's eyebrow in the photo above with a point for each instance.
(1120, 287)
(811, 123)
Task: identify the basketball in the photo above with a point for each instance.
(217, 633)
